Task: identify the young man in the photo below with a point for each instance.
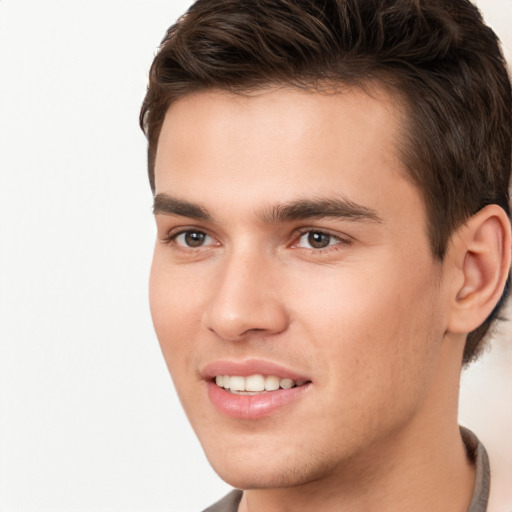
(331, 197)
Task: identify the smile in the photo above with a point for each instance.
(254, 384)
(253, 389)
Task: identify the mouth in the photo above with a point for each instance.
(253, 389)
(256, 384)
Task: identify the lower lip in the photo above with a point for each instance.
(252, 407)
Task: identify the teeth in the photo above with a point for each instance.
(286, 383)
(237, 384)
(255, 383)
(271, 383)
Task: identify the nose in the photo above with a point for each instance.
(247, 299)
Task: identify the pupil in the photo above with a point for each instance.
(194, 238)
(318, 240)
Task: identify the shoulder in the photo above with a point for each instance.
(229, 503)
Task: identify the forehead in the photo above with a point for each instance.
(278, 144)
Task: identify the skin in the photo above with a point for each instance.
(368, 318)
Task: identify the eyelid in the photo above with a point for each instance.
(342, 238)
(171, 236)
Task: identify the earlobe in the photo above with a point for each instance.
(482, 250)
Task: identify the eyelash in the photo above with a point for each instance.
(343, 241)
(172, 236)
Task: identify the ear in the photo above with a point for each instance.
(481, 253)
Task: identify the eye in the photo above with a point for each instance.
(192, 239)
(317, 240)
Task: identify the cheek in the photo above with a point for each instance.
(378, 349)
(378, 326)
(174, 309)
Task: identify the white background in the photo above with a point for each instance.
(88, 417)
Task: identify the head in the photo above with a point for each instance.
(437, 59)
(328, 178)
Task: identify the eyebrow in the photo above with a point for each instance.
(168, 205)
(301, 209)
(339, 208)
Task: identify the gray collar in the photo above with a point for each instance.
(478, 456)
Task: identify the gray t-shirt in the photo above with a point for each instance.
(476, 454)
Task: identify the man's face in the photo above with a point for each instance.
(291, 246)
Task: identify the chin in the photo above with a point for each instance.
(269, 472)
(266, 479)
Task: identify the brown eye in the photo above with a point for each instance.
(192, 239)
(318, 240)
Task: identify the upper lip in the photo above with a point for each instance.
(244, 368)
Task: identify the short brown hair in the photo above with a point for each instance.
(437, 56)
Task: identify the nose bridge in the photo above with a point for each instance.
(246, 298)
